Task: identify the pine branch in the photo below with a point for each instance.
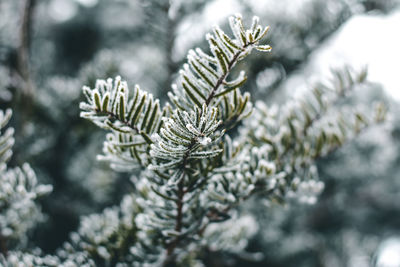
(189, 126)
(203, 75)
(132, 119)
(279, 155)
(194, 173)
(222, 78)
(18, 191)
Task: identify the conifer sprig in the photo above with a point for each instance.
(203, 78)
(132, 118)
(193, 174)
(176, 144)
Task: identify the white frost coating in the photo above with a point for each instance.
(181, 132)
(232, 235)
(205, 141)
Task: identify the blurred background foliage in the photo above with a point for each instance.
(50, 48)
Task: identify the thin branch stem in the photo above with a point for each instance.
(178, 221)
(24, 46)
(3, 245)
(116, 117)
(223, 76)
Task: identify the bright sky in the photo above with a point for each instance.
(389, 253)
(371, 40)
(213, 14)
